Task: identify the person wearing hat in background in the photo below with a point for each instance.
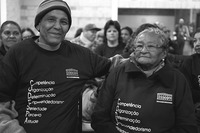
(42, 77)
(87, 37)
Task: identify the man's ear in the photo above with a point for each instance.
(38, 27)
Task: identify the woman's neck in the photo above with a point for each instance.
(149, 70)
(6, 48)
(113, 43)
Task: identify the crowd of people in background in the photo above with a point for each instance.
(104, 65)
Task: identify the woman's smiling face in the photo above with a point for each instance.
(10, 35)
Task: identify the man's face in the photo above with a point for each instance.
(90, 35)
(53, 27)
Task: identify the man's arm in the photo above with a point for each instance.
(117, 60)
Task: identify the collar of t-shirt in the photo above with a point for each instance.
(47, 47)
(152, 71)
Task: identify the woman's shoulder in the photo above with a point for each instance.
(121, 66)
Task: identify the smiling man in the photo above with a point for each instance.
(42, 78)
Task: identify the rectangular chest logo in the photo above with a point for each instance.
(164, 98)
(72, 73)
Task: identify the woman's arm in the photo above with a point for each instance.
(101, 117)
(8, 122)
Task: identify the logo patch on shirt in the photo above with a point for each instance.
(72, 73)
(164, 98)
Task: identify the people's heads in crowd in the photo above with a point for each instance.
(191, 28)
(99, 37)
(10, 34)
(27, 33)
(197, 41)
(181, 21)
(53, 21)
(112, 31)
(150, 46)
(126, 33)
(98, 40)
(166, 31)
(78, 32)
(89, 32)
(137, 31)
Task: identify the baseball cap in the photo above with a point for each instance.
(91, 27)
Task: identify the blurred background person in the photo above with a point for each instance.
(27, 33)
(78, 32)
(191, 28)
(112, 40)
(87, 36)
(172, 44)
(10, 34)
(126, 33)
(98, 40)
(182, 34)
(190, 68)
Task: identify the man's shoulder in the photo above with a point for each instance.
(74, 47)
(25, 44)
(75, 39)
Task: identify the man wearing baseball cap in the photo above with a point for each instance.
(87, 37)
(42, 78)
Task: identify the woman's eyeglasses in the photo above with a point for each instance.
(149, 47)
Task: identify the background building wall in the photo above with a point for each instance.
(13, 10)
(99, 11)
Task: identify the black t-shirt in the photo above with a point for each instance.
(108, 52)
(46, 85)
(190, 69)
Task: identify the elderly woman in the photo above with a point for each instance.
(145, 94)
(190, 69)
